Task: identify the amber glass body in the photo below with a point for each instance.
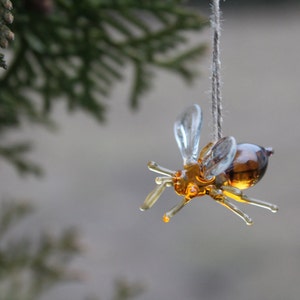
(249, 166)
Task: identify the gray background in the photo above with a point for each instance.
(96, 178)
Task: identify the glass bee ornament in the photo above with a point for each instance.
(221, 170)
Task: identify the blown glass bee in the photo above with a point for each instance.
(222, 170)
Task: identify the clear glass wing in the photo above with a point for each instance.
(187, 133)
(219, 157)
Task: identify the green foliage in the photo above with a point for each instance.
(29, 267)
(79, 51)
(5, 34)
(76, 51)
(125, 290)
(14, 154)
(2, 61)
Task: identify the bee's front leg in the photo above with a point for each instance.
(156, 193)
(166, 217)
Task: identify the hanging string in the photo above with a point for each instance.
(216, 72)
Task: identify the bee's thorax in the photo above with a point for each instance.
(190, 182)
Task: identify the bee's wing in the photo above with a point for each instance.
(187, 133)
(219, 157)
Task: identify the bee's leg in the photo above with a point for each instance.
(239, 196)
(156, 193)
(166, 217)
(225, 202)
(153, 166)
(218, 196)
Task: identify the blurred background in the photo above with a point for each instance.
(96, 175)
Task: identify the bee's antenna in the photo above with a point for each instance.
(154, 167)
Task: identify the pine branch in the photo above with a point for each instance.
(2, 62)
(74, 63)
(6, 35)
(29, 267)
(125, 290)
(14, 154)
(76, 51)
(12, 212)
(179, 63)
(140, 83)
(33, 266)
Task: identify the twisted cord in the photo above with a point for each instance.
(216, 72)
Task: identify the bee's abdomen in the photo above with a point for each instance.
(248, 166)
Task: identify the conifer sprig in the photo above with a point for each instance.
(29, 267)
(76, 51)
(79, 51)
(6, 35)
